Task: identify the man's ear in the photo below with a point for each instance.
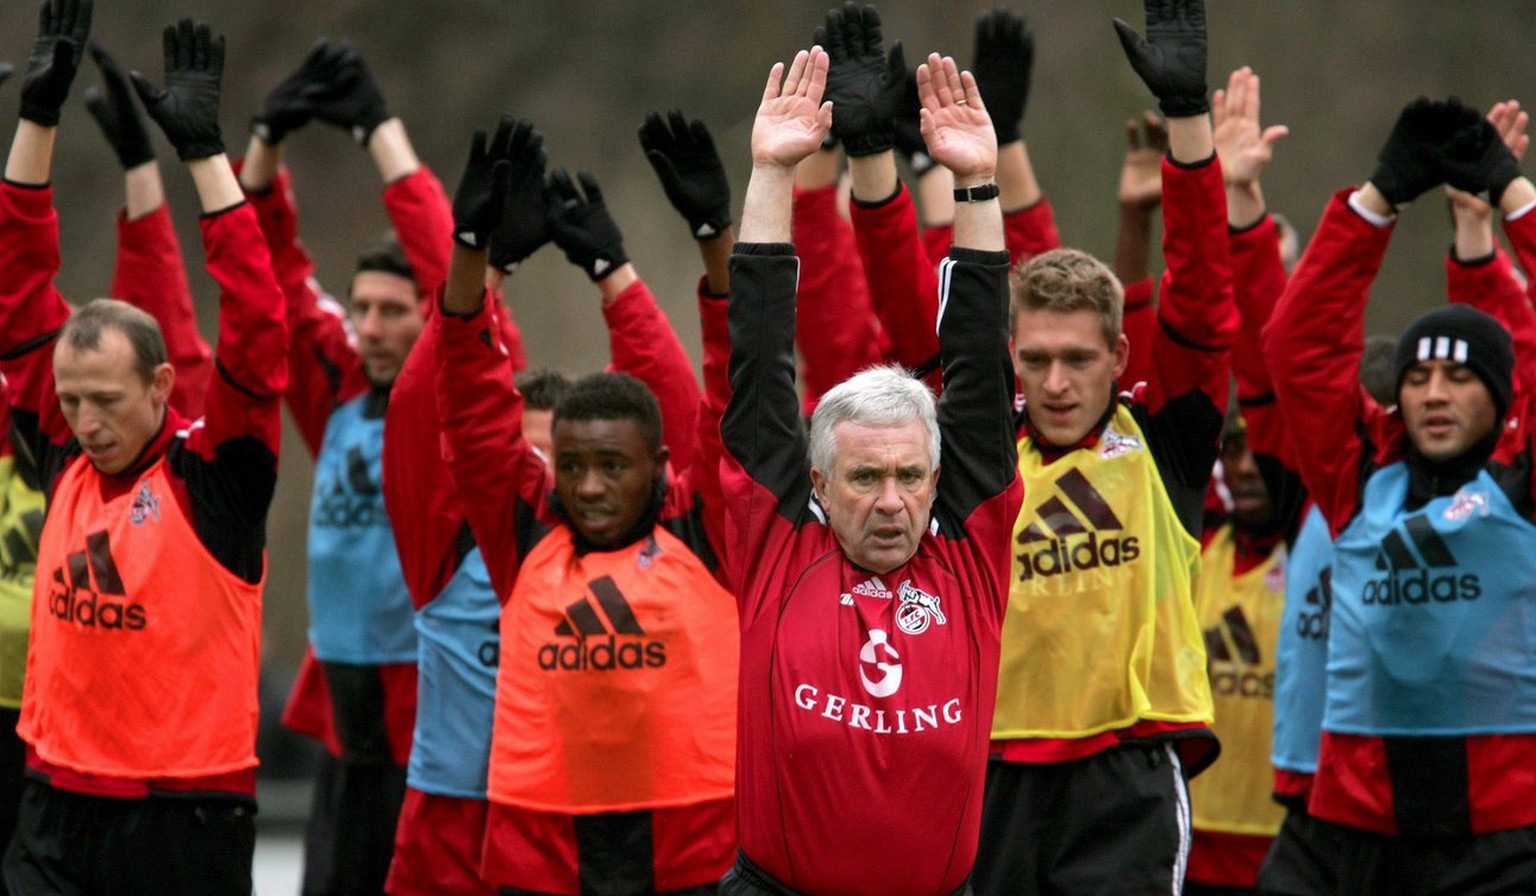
(1122, 355)
(161, 384)
(819, 483)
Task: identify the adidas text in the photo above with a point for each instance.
(96, 612)
(601, 655)
(1061, 556)
(1231, 683)
(1420, 588)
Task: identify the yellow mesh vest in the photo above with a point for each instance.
(1241, 615)
(1101, 629)
(21, 526)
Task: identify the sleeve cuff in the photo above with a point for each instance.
(979, 256)
(1378, 221)
(763, 249)
(1520, 212)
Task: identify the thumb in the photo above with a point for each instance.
(896, 64)
(148, 93)
(96, 104)
(1136, 47)
(5, 71)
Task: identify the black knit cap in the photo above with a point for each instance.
(1463, 335)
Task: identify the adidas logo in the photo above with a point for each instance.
(1054, 545)
(83, 589)
(353, 501)
(18, 547)
(1231, 650)
(1312, 623)
(605, 635)
(1408, 566)
(870, 587)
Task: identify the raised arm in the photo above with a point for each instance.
(1139, 194)
(500, 479)
(766, 470)
(150, 272)
(31, 308)
(979, 459)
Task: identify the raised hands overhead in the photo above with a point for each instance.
(62, 29)
(292, 103)
(112, 106)
(690, 170)
(1141, 174)
(582, 226)
(1005, 59)
(187, 108)
(1171, 58)
(956, 126)
(864, 84)
(792, 118)
(524, 225)
(1244, 145)
(354, 102)
(1413, 158)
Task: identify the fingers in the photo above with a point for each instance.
(775, 76)
(1272, 135)
(1132, 134)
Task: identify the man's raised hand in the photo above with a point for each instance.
(1244, 146)
(956, 126)
(187, 109)
(863, 82)
(1171, 58)
(291, 104)
(524, 224)
(62, 29)
(792, 118)
(478, 201)
(1005, 59)
(112, 107)
(691, 173)
(582, 226)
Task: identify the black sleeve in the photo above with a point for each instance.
(979, 456)
(762, 428)
(225, 490)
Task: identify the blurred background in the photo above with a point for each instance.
(1335, 71)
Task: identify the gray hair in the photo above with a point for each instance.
(877, 396)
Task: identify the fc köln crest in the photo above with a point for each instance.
(918, 610)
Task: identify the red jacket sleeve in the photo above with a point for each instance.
(502, 481)
(1138, 324)
(423, 509)
(423, 220)
(704, 475)
(1030, 231)
(1518, 316)
(151, 275)
(251, 357)
(1313, 345)
(31, 309)
(903, 283)
(1258, 279)
(835, 324)
(325, 370)
(642, 343)
(1197, 319)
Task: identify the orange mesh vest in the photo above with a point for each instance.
(617, 685)
(144, 649)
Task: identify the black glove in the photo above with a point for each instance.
(1171, 59)
(112, 107)
(909, 130)
(864, 85)
(1475, 159)
(291, 103)
(524, 223)
(355, 102)
(684, 156)
(582, 227)
(1005, 57)
(187, 110)
(483, 188)
(1410, 161)
(62, 28)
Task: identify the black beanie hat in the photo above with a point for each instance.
(1464, 335)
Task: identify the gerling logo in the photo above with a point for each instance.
(601, 645)
(878, 654)
(83, 590)
(1052, 543)
(1409, 580)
